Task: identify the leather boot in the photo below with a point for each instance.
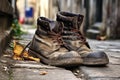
(77, 42)
(47, 45)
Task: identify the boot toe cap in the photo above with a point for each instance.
(96, 58)
(99, 54)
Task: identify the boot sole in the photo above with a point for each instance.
(96, 62)
(61, 63)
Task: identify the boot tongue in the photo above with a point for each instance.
(52, 25)
(56, 27)
(75, 22)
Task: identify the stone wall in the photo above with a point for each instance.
(113, 19)
(110, 19)
(6, 12)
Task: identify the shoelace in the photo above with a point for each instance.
(56, 38)
(59, 39)
(22, 53)
(81, 37)
(79, 34)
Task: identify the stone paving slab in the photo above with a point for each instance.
(29, 70)
(32, 65)
(35, 74)
(4, 75)
(111, 72)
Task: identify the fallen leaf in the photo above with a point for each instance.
(18, 48)
(101, 38)
(43, 72)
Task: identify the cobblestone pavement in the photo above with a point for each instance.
(31, 70)
(112, 70)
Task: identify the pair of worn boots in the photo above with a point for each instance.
(60, 43)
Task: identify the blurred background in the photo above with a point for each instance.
(102, 18)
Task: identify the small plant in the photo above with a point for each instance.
(16, 28)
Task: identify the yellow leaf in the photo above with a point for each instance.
(18, 48)
(43, 72)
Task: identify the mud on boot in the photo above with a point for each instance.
(76, 41)
(47, 44)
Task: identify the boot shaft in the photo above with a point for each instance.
(70, 20)
(47, 37)
(48, 27)
(71, 33)
(72, 23)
